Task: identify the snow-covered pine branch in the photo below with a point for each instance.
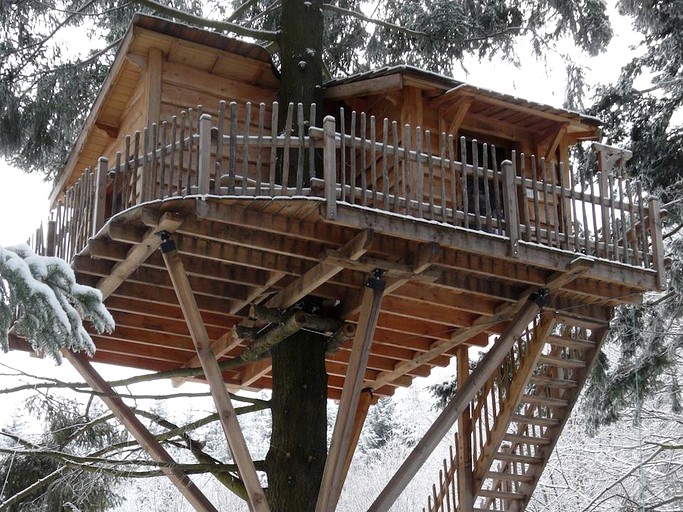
(41, 301)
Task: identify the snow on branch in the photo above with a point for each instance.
(41, 301)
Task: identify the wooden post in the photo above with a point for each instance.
(657, 241)
(100, 195)
(330, 166)
(147, 441)
(204, 178)
(464, 438)
(458, 403)
(511, 209)
(214, 376)
(332, 481)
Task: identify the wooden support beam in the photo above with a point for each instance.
(143, 436)
(464, 438)
(168, 222)
(226, 412)
(529, 308)
(342, 435)
(320, 273)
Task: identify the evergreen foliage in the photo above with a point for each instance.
(41, 301)
(642, 111)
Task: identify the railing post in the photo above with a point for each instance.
(100, 195)
(511, 209)
(204, 171)
(657, 241)
(330, 166)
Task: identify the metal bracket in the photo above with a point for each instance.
(540, 297)
(167, 245)
(376, 280)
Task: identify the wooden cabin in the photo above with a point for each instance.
(459, 200)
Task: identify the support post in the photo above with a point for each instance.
(657, 241)
(332, 482)
(458, 403)
(464, 451)
(126, 416)
(204, 172)
(226, 412)
(51, 238)
(330, 166)
(511, 208)
(100, 195)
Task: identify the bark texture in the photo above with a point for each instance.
(298, 447)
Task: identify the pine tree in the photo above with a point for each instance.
(41, 301)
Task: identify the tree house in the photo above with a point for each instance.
(424, 216)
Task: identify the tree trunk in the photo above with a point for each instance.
(298, 444)
(301, 46)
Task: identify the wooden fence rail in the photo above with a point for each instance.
(354, 159)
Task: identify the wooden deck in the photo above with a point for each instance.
(455, 269)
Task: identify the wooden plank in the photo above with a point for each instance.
(464, 438)
(138, 254)
(126, 416)
(233, 432)
(342, 435)
(155, 58)
(364, 87)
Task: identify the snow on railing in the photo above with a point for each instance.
(354, 160)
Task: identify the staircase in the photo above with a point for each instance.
(511, 427)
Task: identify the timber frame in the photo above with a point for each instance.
(418, 241)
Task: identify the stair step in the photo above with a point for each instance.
(571, 343)
(562, 362)
(544, 400)
(514, 457)
(532, 420)
(503, 495)
(542, 380)
(519, 439)
(498, 475)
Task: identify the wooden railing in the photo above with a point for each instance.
(356, 160)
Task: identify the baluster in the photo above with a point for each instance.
(353, 171)
(373, 160)
(634, 226)
(126, 175)
(220, 130)
(300, 150)
(616, 233)
(575, 211)
(171, 169)
(134, 173)
(564, 203)
(624, 225)
(397, 164)
(182, 190)
(115, 183)
(311, 146)
(524, 207)
(487, 191)
(273, 147)
(259, 146)
(455, 178)
(536, 193)
(385, 166)
(245, 154)
(342, 159)
(442, 168)
(643, 227)
(190, 152)
(289, 122)
(555, 203)
(363, 159)
(546, 203)
(430, 170)
(162, 158)
(595, 218)
(406, 167)
(154, 171)
(417, 180)
(475, 181)
(464, 180)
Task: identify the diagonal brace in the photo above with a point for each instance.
(226, 412)
(332, 481)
